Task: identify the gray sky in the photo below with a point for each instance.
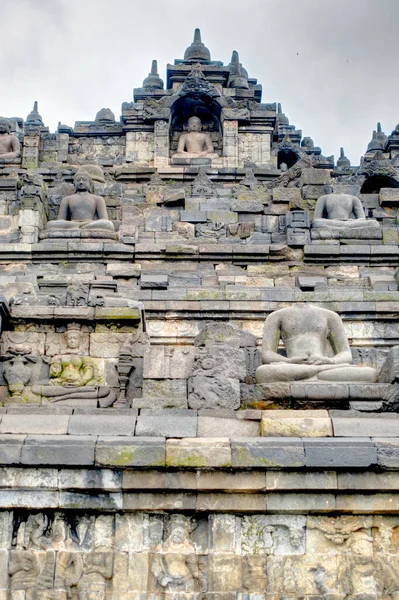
(332, 65)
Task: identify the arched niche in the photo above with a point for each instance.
(373, 184)
(287, 156)
(208, 109)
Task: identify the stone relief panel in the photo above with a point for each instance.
(52, 555)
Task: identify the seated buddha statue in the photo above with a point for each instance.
(340, 210)
(195, 143)
(316, 347)
(9, 144)
(72, 376)
(82, 210)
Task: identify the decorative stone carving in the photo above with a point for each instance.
(83, 210)
(213, 392)
(316, 347)
(74, 376)
(202, 185)
(175, 564)
(52, 559)
(211, 230)
(360, 574)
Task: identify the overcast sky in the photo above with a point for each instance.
(332, 64)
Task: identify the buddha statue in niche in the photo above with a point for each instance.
(72, 376)
(195, 143)
(316, 347)
(340, 210)
(82, 210)
(9, 144)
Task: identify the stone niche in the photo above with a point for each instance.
(141, 555)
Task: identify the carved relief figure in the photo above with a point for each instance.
(9, 144)
(72, 370)
(361, 575)
(175, 564)
(98, 568)
(73, 376)
(23, 568)
(340, 210)
(195, 143)
(316, 347)
(82, 210)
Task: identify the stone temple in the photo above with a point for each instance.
(199, 375)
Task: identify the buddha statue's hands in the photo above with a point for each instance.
(312, 359)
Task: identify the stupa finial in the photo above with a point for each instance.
(153, 80)
(197, 51)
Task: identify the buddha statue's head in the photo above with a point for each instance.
(5, 125)
(194, 124)
(83, 182)
(72, 336)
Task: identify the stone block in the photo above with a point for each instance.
(313, 176)
(369, 481)
(166, 426)
(248, 482)
(306, 283)
(194, 216)
(105, 502)
(26, 478)
(58, 450)
(101, 424)
(337, 452)
(168, 362)
(198, 452)
(389, 196)
(10, 449)
(35, 424)
(267, 452)
(296, 423)
(237, 428)
(280, 480)
(368, 503)
(94, 479)
(231, 503)
(386, 425)
(163, 501)
(283, 194)
(168, 389)
(157, 480)
(12, 499)
(301, 503)
(247, 206)
(130, 452)
(154, 282)
(298, 219)
(222, 216)
(213, 392)
(312, 192)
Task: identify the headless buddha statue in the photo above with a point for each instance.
(340, 210)
(316, 347)
(195, 143)
(82, 210)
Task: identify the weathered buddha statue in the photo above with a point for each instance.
(340, 210)
(82, 210)
(72, 376)
(195, 143)
(9, 144)
(316, 347)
